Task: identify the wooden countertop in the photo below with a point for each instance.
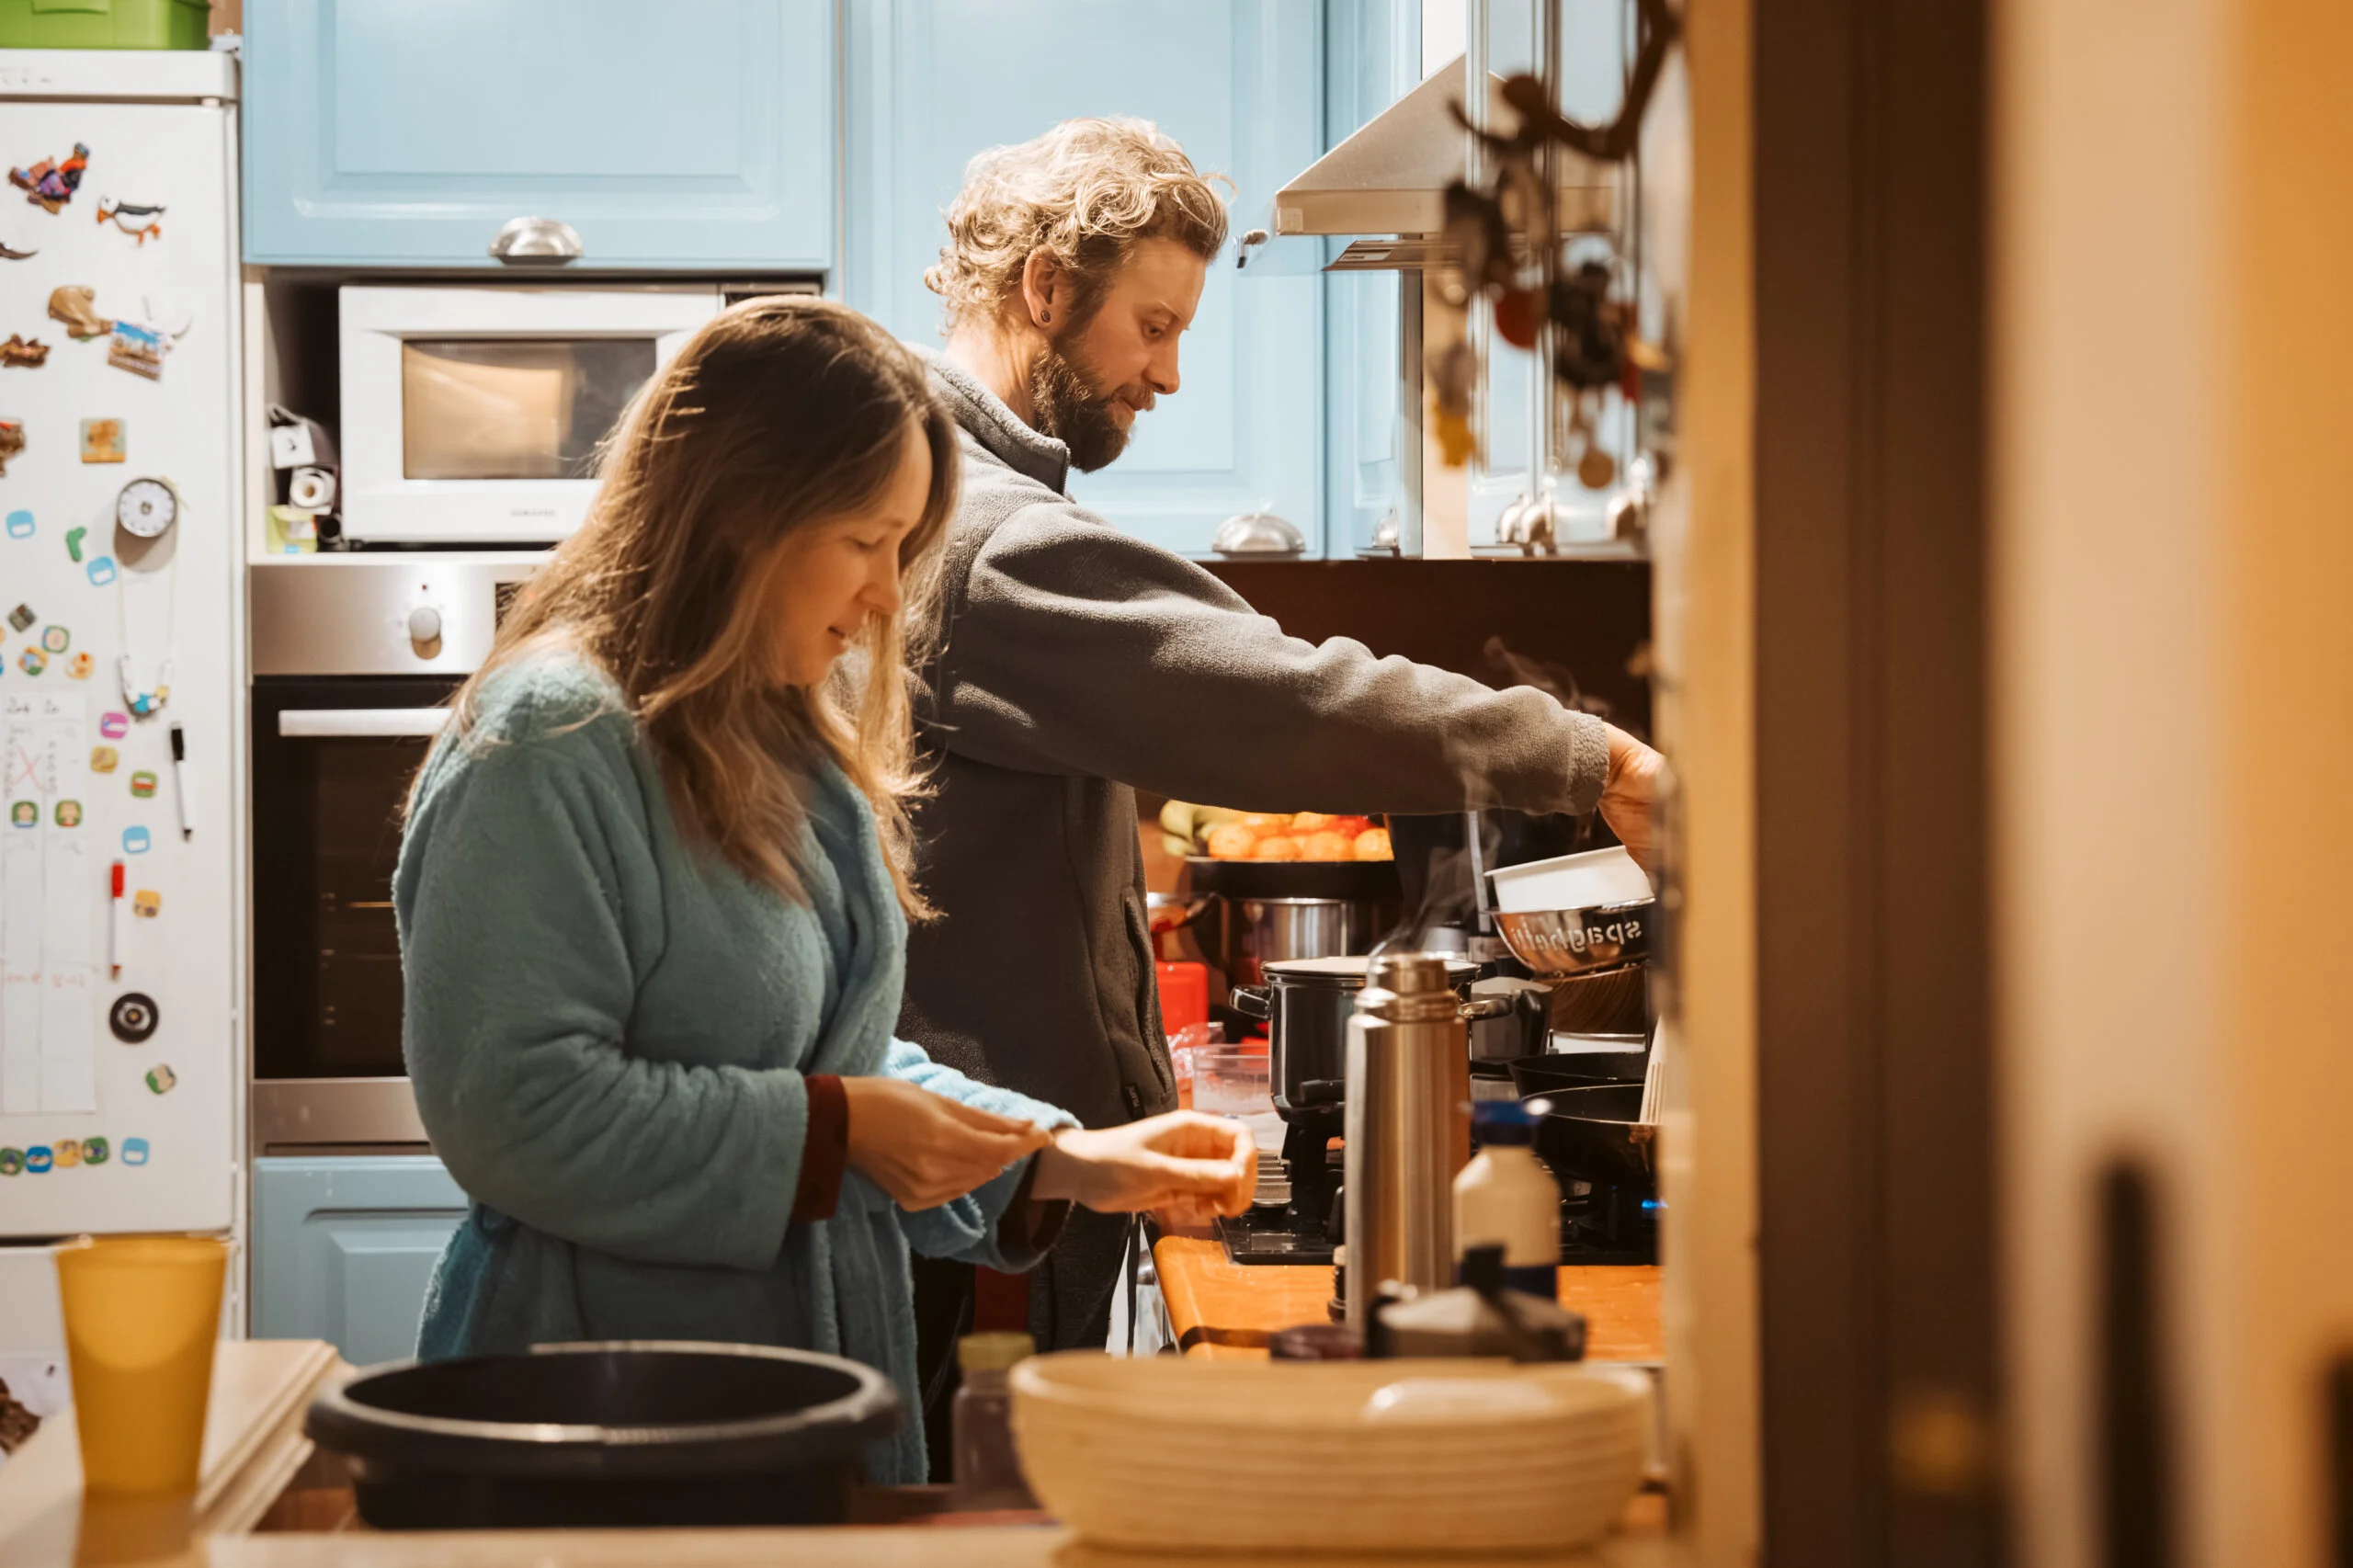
(1223, 1308)
(252, 1446)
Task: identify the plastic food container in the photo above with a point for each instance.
(106, 24)
(1589, 880)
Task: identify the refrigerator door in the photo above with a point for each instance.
(119, 1091)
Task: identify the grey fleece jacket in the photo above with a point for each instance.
(1076, 665)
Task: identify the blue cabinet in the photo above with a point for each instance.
(1238, 82)
(697, 134)
(344, 1248)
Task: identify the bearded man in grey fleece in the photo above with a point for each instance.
(1077, 665)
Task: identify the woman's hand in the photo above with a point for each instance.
(925, 1148)
(1630, 793)
(1185, 1164)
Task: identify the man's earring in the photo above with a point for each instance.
(1045, 316)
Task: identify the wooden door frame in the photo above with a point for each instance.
(1876, 1289)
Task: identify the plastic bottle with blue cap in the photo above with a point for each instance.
(1506, 1197)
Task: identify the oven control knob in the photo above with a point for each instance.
(424, 625)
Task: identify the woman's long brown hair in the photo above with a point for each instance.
(779, 413)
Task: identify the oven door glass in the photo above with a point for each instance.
(514, 407)
(332, 764)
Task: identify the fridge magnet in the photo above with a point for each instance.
(12, 441)
(134, 1151)
(134, 1019)
(139, 348)
(12, 1162)
(32, 661)
(68, 1154)
(105, 759)
(74, 306)
(137, 841)
(105, 441)
(142, 785)
(10, 252)
(81, 667)
(114, 726)
(25, 813)
(146, 223)
(55, 639)
(69, 813)
(20, 523)
(146, 903)
(37, 1158)
(22, 617)
(146, 508)
(93, 1151)
(101, 570)
(73, 537)
(23, 353)
(51, 183)
(167, 313)
(161, 1079)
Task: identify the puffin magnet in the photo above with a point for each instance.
(145, 222)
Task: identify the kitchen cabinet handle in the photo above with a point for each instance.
(536, 242)
(331, 723)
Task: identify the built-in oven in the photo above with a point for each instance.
(354, 660)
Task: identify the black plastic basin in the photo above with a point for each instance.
(642, 1434)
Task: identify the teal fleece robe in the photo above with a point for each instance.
(608, 1029)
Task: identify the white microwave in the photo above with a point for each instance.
(474, 416)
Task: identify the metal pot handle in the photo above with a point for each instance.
(1487, 1008)
(1254, 1001)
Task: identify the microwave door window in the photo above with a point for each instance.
(513, 408)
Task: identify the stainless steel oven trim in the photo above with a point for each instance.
(352, 615)
(332, 1115)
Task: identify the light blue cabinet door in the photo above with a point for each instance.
(933, 82)
(1372, 58)
(344, 1248)
(693, 133)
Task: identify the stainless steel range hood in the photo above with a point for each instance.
(1390, 176)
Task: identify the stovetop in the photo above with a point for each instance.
(1599, 1225)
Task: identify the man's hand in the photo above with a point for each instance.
(1185, 1163)
(925, 1148)
(1630, 793)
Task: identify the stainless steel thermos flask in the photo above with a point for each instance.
(1408, 1128)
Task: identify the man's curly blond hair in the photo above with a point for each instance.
(1086, 190)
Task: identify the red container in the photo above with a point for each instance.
(1184, 995)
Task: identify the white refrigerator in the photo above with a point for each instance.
(121, 712)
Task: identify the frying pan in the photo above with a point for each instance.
(1591, 1132)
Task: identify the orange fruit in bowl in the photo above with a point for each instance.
(1276, 847)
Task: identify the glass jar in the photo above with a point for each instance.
(988, 1468)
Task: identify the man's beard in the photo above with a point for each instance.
(1068, 407)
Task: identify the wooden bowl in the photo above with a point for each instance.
(1170, 1455)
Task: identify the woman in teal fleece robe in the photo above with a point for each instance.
(652, 905)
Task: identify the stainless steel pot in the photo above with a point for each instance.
(1261, 931)
(1308, 1001)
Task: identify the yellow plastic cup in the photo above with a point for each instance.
(140, 1315)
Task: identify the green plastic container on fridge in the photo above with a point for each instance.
(106, 24)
